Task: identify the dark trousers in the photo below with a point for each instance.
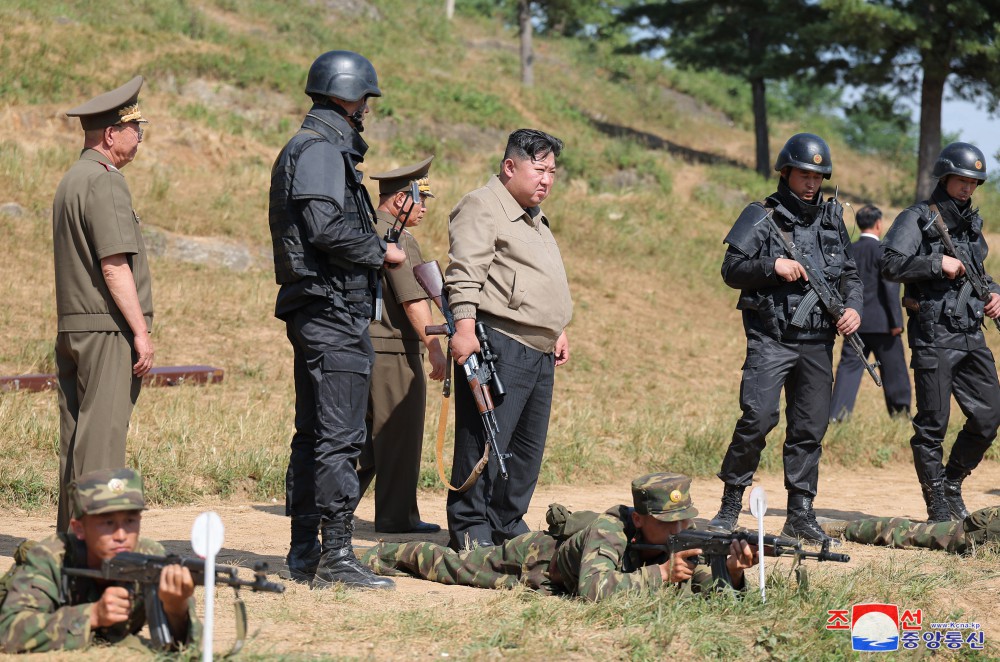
(888, 350)
(805, 370)
(492, 510)
(395, 440)
(971, 376)
(332, 365)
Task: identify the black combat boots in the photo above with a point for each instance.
(937, 505)
(729, 512)
(953, 496)
(338, 565)
(800, 520)
(304, 552)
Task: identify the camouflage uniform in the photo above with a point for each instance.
(593, 562)
(960, 537)
(42, 609)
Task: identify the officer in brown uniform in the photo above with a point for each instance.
(506, 271)
(103, 293)
(398, 392)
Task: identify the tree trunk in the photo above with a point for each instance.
(527, 56)
(449, 9)
(931, 96)
(763, 165)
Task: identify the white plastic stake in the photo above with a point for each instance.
(758, 506)
(207, 535)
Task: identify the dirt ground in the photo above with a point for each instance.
(259, 532)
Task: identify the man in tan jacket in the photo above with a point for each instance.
(506, 271)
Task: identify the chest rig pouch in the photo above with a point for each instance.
(943, 301)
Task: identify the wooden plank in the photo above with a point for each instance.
(159, 376)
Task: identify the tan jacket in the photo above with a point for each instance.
(505, 268)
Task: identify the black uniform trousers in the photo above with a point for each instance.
(888, 350)
(805, 370)
(970, 375)
(333, 357)
(492, 510)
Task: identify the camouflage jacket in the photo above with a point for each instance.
(597, 562)
(46, 610)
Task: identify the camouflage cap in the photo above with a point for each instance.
(666, 497)
(106, 491)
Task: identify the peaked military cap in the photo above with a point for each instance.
(118, 106)
(107, 491)
(664, 496)
(399, 179)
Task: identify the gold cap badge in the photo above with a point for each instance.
(817, 159)
(676, 496)
(979, 165)
(116, 485)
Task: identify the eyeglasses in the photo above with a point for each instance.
(139, 130)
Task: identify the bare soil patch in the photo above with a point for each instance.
(303, 622)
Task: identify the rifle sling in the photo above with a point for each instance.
(439, 448)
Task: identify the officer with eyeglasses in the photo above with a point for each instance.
(104, 298)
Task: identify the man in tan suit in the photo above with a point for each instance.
(103, 292)
(506, 272)
(395, 417)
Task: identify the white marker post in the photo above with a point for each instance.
(758, 506)
(207, 535)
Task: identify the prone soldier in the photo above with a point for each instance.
(593, 560)
(957, 537)
(42, 609)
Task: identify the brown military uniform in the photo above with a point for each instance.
(398, 393)
(92, 219)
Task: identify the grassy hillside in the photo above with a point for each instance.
(657, 165)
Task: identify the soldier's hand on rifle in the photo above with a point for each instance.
(112, 608)
(464, 343)
(849, 322)
(394, 255)
(742, 556)
(951, 267)
(678, 568)
(992, 308)
(562, 349)
(789, 270)
(176, 586)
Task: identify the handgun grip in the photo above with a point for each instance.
(436, 329)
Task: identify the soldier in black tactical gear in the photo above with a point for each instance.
(787, 346)
(326, 260)
(947, 346)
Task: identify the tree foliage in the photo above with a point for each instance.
(924, 48)
(756, 40)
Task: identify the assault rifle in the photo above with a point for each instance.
(819, 291)
(975, 273)
(715, 544)
(480, 369)
(399, 224)
(142, 570)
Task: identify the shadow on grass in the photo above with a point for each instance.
(688, 154)
(228, 556)
(9, 543)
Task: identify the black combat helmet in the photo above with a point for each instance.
(805, 151)
(960, 159)
(344, 75)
